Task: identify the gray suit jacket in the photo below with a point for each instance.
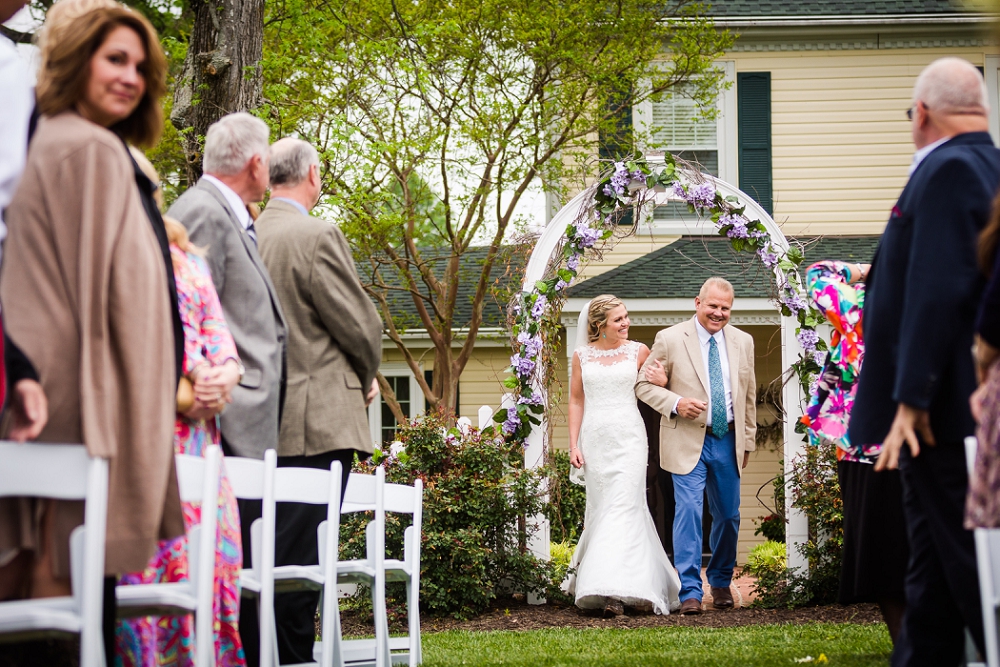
(253, 313)
(334, 332)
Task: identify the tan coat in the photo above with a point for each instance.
(334, 332)
(678, 350)
(85, 296)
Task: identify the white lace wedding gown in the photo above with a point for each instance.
(619, 554)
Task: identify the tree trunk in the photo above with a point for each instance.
(222, 72)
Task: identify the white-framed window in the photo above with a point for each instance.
(381, 421)
(673, 124)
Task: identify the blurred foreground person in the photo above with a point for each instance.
(923, 290)
(84, 290)
(875, 546)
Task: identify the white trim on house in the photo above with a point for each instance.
(394, 369)
(849, 20)
(420, 339)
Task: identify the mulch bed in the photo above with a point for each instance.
(517, 615)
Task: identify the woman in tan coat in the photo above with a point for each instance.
(85, 296)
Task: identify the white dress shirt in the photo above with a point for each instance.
(233, 199)
(727, 385)
(15, 114)
(922, 153)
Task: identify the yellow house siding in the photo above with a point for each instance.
(841, 143)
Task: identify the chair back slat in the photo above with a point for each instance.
(44, 470)
(400, 499)
(361, 493)
(302, 485)
(190, 477)
(246, 477)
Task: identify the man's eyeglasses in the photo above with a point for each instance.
(909, 112)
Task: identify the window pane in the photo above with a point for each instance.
(401, 387)
(677, 124)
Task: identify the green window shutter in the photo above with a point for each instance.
(753, 96)
(616, 142)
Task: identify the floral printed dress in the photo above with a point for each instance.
(155, 641)
(832, 396)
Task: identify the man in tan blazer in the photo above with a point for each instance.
(700, 377)
(334, 350)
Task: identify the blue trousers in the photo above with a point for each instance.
(717, 472)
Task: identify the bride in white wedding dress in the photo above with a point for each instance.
(619, 559)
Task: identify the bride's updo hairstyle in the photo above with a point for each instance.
(597, 315)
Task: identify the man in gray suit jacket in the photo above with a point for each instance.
(334, 350)
(215, 214)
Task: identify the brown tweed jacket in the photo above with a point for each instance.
(334, 332)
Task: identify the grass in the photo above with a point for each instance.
(747, 646)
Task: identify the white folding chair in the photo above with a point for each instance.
(198, 480)
(988, 565)
(64, 472)
(293, 485)
(253, 479)
(364, 493)
(402, 499)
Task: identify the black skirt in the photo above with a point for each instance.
(875, 544)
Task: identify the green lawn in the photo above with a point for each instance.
(747, 646)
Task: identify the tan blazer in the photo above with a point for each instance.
(334, 332)
(678, 350)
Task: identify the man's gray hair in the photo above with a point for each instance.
(951, 85)
(290, 160)
(718, 283)
(232, 141)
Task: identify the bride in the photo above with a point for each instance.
(619, 560)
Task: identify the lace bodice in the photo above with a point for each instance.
(608, 375)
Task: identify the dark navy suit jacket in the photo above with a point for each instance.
(922, 295)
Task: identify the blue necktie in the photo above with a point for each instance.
(720, 425)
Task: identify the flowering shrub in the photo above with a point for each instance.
(621, 190)
(816, 491)
(476, 493)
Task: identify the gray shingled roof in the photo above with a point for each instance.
(732, 8)
(679, 269)
(506, 274)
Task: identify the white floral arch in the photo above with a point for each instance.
(545, 255)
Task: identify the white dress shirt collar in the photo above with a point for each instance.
(236, 204)
(299, 207)
(703, 335)
(922, 153)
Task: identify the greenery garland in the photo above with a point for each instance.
(621, 190)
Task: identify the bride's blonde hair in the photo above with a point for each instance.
(597, 314)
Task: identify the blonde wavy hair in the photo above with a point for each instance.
(597, 314)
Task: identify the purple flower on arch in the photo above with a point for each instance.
(769, 258)
(539, 308)
(573, 263)
(807, 339)
(523, 367)
(532, 345)
(511, 423)
(794, 302)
